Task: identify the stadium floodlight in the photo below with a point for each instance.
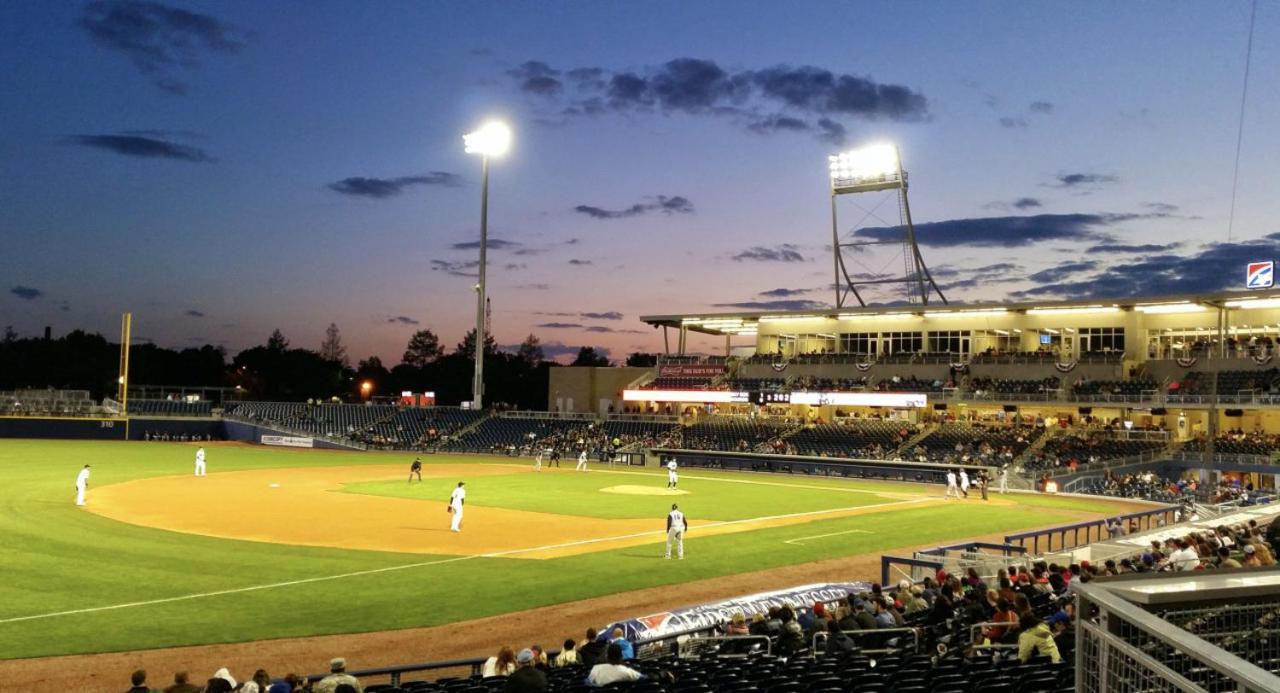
(875, 165)
(492, 139)
(1168, 308)
(1254, 303)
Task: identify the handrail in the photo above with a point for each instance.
(701, 640)
(394, 672)
(1150, 516)
(976, 629)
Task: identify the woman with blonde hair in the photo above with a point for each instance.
(502, 664)
(738, 625)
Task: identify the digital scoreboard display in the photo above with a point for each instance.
(769, 397)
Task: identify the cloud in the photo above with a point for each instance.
(1026, 203)
(26, 293)
(193, 313)
(997, 273)
(511, 266)
(1215, 267)
(576, 261)
(1061, 271)
(784, 293)
(142, 147)
(382, 188)
(403, 320)
(458, 269)
(675, 204)
(1007, 232)
(782, 98)
(1121, 248)
(784, 304)
(786, 252)
(491, 244)
(608, 315)
(1013, 122)
(162, 42)
(559, 350)
(1043, 107)
(559, 325)
(1161, 207)
(1075, 180)
(533, 287)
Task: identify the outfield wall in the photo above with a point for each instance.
(899, 470)
(254, 433)
(63, 428)
(140, 427)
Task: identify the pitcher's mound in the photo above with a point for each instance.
(631, 490)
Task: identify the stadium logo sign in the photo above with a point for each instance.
(1261, 275)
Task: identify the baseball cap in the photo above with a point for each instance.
(1249, 548)
(337, 663)
(525, 656)
(1057, 618)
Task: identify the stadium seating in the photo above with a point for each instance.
(48, 402)
(991, 444)
(868, 439)
(164, 407)
(1083, 448)
(1126, 388)
(1008, 386)
(1238, 443)
(740, 434)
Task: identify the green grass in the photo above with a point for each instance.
(59, 558)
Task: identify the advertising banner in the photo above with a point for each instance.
(288, 441)
(693, 370)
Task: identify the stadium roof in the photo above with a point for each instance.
(697, 322)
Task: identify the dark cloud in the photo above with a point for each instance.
(559, 325)
(491, 244)
(382, 188)
(403, 320)
(784, 293)
(1075, 180)
(1216, 267)
(751, 98)
(1026, 203)
(1007, 232)
(511, 266)
(533, 287)
(793, 304)
(997, 273)
(1062, 271)
(1161, 207)
(675, 204)
(26, 293)
(576, 261)
(558, 350)
(193, 313)
(1121, 248)
(162, 42)
(457, 269)
(612, 330)
(787, 252)
(1043, 107)
(142, 147)
(1013, 122)
(608, 315)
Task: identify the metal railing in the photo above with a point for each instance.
(879, 637)
(1069, 536)
(977, 639)
(724, 646)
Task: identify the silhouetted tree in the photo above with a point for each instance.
(530, 351)
(423, 348)
(587, 356)
(642, 360)
(331, 349)
(277, 341)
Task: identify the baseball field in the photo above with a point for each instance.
(283, 543)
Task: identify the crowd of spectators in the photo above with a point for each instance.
(1237, 441)
(166, 437)
(911, 383)
(1078, 448)
(984, 386)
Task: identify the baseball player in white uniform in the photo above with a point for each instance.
(82, 483)
(952, 488)
(676, 526)
(200, 462)
(456, 500)
(1004, 478)
(964, 483)
(537, 461)
(672, 477)
(582, 461)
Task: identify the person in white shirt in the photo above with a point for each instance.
(537, 461)
(582, 461)
(613, 670)
(82, 484)
(200, 462)
(952, 488)
(1004, 478)
(672, 477)
(1185, 558)
(964, 483)
(676, 527)
(456, 500)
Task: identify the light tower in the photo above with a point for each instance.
(492, 139)
(875, 168)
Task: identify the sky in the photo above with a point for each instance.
(222, 169)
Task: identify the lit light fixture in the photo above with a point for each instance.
(881, 316)
(1254, 303)
(874, 161)
(1166, 308)
(785, 318)
(1073, 311)
(985, 312)
(492, 139)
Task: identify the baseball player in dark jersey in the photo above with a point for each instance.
(415, 468)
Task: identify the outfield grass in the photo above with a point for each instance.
(60, 558)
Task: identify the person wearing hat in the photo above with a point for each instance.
(1251, 556)
(415, 469)
(527, 678)
(337, 676)
(456, 500)
(82, 484)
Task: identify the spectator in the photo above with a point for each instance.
(1185, 557)
(592, 651)
(539, 657)
(182, 684)
(1004, 614)
(139, 681)
(501, 664)
(628, 652)
(792, 639)
(217, 685)
(613, 670)
(1251, 556)
(527, 678)
(337, 676)
(738, 625)
(291, 684)
(225, 675)
(916, 602)
(568, 655)
(1035, 638)
(1225, 560)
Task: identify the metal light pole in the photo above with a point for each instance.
(492, 139)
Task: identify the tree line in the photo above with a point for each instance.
(279, 371)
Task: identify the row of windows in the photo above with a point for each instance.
(956, 341)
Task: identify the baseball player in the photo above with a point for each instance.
(983, 483)
(582, 461)
(555, 455)
(952, 488)
(676, 526)
(964, 482)
(415, 469)
(537, 461)
(456, 500)
(82, 484)
(1004, 478)
(672, 477)
(200, 462)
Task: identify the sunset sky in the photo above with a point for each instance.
(221, 169)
